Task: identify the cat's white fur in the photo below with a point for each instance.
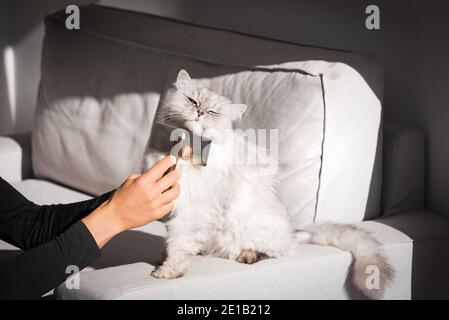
(230, 207)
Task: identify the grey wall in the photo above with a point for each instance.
(433, 111)
(412, 43)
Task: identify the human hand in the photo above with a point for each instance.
(141, 199)
(188, 155)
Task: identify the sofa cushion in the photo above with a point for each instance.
(96, 103)
(44, 192)
(311, 272)
(430, 234)
(10, 159)
(93, 121)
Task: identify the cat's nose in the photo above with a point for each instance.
(200, 112)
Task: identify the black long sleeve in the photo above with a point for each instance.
(53, 236)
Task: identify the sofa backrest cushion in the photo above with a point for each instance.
(101, 87)
(96, 104)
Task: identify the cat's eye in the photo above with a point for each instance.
(213, 112)
(192, 101)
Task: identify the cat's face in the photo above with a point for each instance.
(199, 108)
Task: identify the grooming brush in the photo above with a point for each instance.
(172, 138)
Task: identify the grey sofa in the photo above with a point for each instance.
(99, 92)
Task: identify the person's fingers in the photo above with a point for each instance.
(167, 181)
(158, 170)
(170, 195)
(164, 210)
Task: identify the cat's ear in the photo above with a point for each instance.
(182, 79)
(238, 110)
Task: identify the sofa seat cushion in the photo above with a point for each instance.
(44, 192)
(311, 272)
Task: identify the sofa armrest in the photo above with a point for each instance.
(10, 160)
(15, 157)
(403, 169)
(24, 140)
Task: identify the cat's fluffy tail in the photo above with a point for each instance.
(366, 250)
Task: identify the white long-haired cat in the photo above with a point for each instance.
(230, 208)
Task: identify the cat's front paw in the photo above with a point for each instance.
(166, 272)
(249, 256)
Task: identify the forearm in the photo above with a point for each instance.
(54, 219)
(27, 225)
(33, 273)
